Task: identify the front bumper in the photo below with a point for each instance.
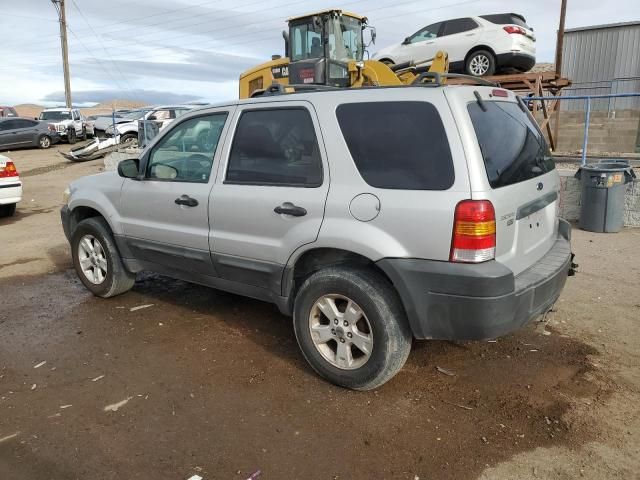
(65, 216)
(452, 301)
(519, 61)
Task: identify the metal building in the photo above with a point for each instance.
(603, 59)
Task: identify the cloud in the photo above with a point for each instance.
(152, 97)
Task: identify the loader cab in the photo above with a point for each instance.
(320, 47)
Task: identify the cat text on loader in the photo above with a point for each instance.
(327, 48)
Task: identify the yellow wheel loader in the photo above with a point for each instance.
(328, 48)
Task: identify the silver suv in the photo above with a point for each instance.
(372, 216)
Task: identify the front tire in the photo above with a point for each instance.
(128, 138)
(480, 64)
(351, 327)
(97, 261)
(44, 142)
(71, 136)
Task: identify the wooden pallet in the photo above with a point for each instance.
(538, 84)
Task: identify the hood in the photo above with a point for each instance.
(385, 51)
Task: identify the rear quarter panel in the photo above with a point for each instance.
(410, 223)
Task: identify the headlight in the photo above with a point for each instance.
(66, 195)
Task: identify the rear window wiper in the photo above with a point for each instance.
(480, 101)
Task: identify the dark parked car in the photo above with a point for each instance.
(7, 112)
(18, 132)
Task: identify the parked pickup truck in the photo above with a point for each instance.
(68, 122)
(372, 216)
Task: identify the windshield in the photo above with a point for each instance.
(55, 115)
(345, 39)
(512, 145)
(344, 35)
(134, 114)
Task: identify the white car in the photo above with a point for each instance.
(163, 115)
(68, 122)
(10, 187)
(477, 46)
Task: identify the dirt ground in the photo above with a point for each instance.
(203, 382)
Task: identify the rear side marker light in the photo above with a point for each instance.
(514, 30)
(9, 170)
(474, 232)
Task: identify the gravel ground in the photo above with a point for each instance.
(203, 382)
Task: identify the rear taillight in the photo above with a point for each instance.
(9, 170)
(474, 232)
(514, 29)
(51, 127)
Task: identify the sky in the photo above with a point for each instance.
(174, 51)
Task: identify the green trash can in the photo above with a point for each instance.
(603, 190)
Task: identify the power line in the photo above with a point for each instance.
(146, 52)
(102, 45)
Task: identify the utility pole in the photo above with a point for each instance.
(560, 42)
(62, 17)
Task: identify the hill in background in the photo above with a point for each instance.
(30, 110)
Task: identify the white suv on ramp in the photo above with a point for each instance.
(477, 46)
(372, 216)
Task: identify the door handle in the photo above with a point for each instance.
(187, 201)
(288, 208)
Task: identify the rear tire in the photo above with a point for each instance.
(366, 312)
(480, 64)
(97, 261)
(44, 142)
(7, 210)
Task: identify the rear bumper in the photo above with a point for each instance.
(10, 192)
(450, 301)
(519, 61)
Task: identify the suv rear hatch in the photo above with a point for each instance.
(510, 165)
(516, 26)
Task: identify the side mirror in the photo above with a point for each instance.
(406, 41)
(129, 168)
(36, 118)
(372, 36)
(152, 117)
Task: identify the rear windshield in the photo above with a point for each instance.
(512, 145)
(398, 145)
(505, 19)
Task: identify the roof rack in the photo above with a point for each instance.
(436, 79)
(280, 89)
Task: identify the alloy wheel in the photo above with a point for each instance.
(479, 65)
(341, 331)
(92, 259)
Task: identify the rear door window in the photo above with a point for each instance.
(398, 145)
(275, 147)
(458, 26)
(512, 145)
